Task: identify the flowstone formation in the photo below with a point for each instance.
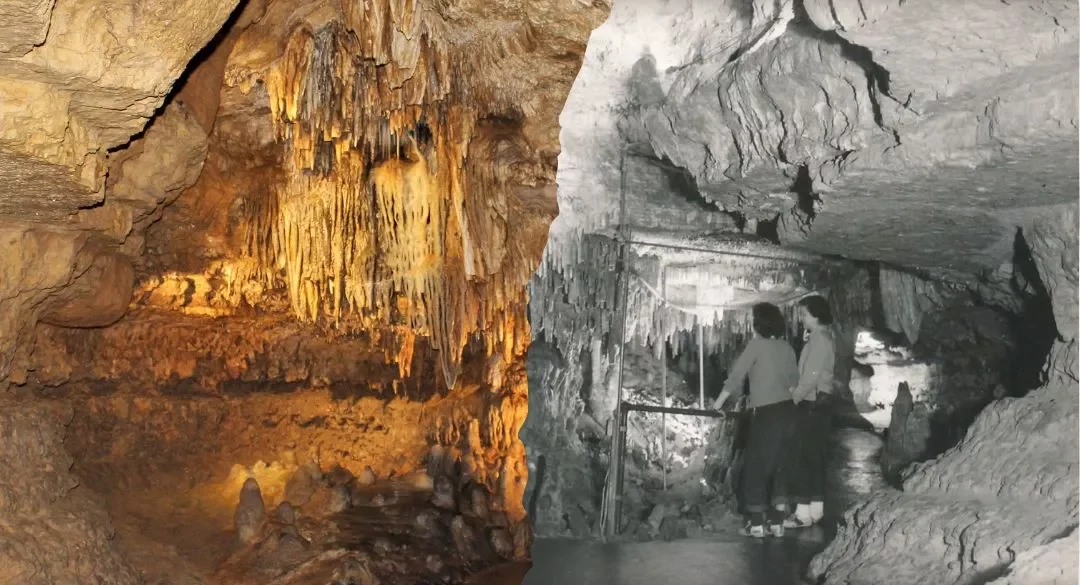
(311, 247)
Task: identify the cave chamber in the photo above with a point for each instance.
(331, 291)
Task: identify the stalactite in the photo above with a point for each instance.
(574, 303)
(905, 298)
(392, 210)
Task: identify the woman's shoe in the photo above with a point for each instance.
(753, 530)
(776, 530)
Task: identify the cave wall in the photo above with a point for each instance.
(74, 96)
(853, 129)
(78, 92)
(72, 535)
(922, 157)
(202, 212)
(1003, 501)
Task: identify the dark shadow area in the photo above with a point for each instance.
(204, 53)
(769, 230)
(877, 303)
(803, 187)
(1034, 328)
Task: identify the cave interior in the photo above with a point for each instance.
(305, 292)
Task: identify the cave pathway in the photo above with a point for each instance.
(854, 474)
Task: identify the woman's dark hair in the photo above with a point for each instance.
(769, 321)
(818, 307)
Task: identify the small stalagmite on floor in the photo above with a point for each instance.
(333, 527)
(250, 511)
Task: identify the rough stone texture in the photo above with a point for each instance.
(80, 80)
(70, 535)
(935, 164)
(99, 294)
(85, 86)
(75, 86)
(921, 134)
(1008, 487)
(918, 155)
(1050, 564)
(1053, 241)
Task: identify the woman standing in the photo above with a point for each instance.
(812, 396)
(769, 363)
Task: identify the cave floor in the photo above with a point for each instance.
(854, 473)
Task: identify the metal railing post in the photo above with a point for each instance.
(701, 363)
(663, 386)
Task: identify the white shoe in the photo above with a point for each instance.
(753, 531)
(817, 511)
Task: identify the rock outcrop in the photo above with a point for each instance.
(76, 88)
(212, 166)
(72, 533)
(859, 135)
(1009, 487)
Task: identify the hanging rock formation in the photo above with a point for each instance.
(204, 204)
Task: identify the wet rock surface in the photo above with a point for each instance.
(1008, 487)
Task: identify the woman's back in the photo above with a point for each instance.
(772, 369)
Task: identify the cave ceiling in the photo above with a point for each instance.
(919, 133)
(287, 155)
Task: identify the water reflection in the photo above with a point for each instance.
(853, 474)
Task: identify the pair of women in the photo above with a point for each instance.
(784, 459)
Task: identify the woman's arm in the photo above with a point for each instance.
(819, 369)
(736, 380)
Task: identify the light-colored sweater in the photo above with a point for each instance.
(771, 367)
(816, 363)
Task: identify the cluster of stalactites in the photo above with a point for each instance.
(373, 221)
(335, 90)
(665, 302)
(578, 302)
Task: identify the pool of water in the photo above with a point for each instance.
(853, 474)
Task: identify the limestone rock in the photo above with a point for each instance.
(502, 542)
(366, 477)
(98, 296)
(125, 67)
(326, 500)
(1008, 487)
(443, 496)
(475, 502)
(73, 540)
(853, 105)
(285, 513)
(250, 511)
(909, 432)
(1053, 242)
(1050, 564)
(302, 484)
(464, 538)
(947, 539)
(354, 571)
